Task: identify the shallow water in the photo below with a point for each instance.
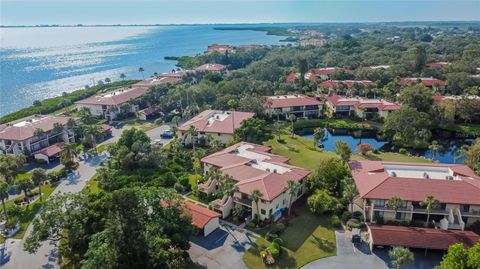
(38, 63)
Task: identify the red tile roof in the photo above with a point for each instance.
(250, 170)
(159, 80)
(280, 101)
(362, 103)
(25, 129)
(105, 128)
(438, 65)
(207, 121)
(116, 97)
(200, 215)
(323, 71)
(428, 82)
(374, 182)
(292, 77)
(348, 83)
(425, 238)
(51, 150)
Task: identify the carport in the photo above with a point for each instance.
(49, 153)
(420, 238)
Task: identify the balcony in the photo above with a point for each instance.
(243, 201)
(433, 211)
(384, 208)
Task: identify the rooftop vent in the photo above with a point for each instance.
(449, 177)
(254, 161)
(425, 175)
(217, 117)
(268, 169)
(275, 171)
(394, 174)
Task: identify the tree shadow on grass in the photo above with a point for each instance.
(323, 244)
(371, 157)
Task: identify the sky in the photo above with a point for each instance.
(27, 12)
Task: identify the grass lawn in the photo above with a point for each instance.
(307, 238)
(29, 211)
(93, 186)
(102, 147)
(140, 124)
(302, 153)
(469, 129)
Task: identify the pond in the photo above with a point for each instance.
(449, 148)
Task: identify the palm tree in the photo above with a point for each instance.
(232, 104)
(460, 153)
(4, 196)
(350, 192)
(395, 203)
(85, 115)
(68, 154)
(255, 195)
(400, 256)
(108, 80)
(24, 184)
(140, 69)
(429, 203)
(122, 76)
(39, 176)
(434, 147)
(277, 113)
(39, 132)
(192, 132)
(93, 131)
(10, 165)
(176, 119)
(292, 189)
(318, 134)
(343, 150)
(292, 118)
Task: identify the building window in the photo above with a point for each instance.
(283, 201)
(262, 211)
(400, 216)
(378, 214)
(464, 208)
(270, 211)
(380, 203)
(276, 207)
(219, 134)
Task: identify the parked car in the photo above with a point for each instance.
(167, 134)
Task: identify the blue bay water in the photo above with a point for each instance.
(38, 63)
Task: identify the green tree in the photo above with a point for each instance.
(10, 165)
(400, 256)
(302, 68)
(322, 202)
(350, 192)
(456, 258)
(122, 76)
(24, 184)
(343, 150)
(395, 203)
(68, 154)
(472, 157)
(417, 96)
(328, 176)
(434, 147)
(232, 104)
(85, 116)
(4, 196)
(255, 196)
(39, 132)
(193, 133)
(318, 134)
(39, 176)
(408, 127)
(176, 119)
(292, 118)
(253, 130)
(430, 203)
(292, 189)
(141, 70)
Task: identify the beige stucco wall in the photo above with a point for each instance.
(211, 226)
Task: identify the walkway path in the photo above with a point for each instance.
(46, 256)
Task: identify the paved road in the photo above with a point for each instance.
(46, 257)
(221, 249)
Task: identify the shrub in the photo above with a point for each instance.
(335, 221)
(357, 215)
(54, 176)
(275, 251)
(402, 151)
(277, 228)
(278, 241)
(354, 223)
(271, 236)
(375, 151)
(364, 148)
(251, 225)
(281, 141)
(346, 216)
(379, 221)
(475, 227)
(158, 122)
(178, 187)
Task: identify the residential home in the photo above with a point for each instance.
(111, 104)
(345, 84)
(455, 186)
(323, 73)
(337, 105)
(253, 167)
(300, 105)
(219, 48)
(317, 42)
(433, 83)
(211, 68)
(33, 134)
(218, 124)
(438, 65)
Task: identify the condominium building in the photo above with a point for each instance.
(455, 186)
(253, 167)
(218, 124)
(433, 83)
(30, 135)
(337, 105)
(300, 105)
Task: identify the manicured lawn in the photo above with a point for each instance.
(469, 129)
(102, 147)
(30, 210)
(93, 186)
(302, 153)
(307, 238)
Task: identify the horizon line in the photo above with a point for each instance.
(235, 23)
